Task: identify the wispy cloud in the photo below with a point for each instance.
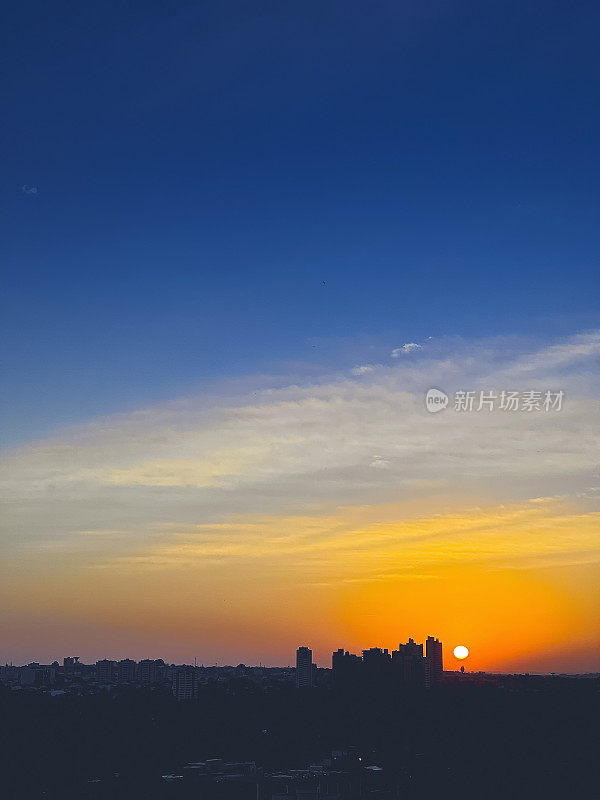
(409, 347)
(363, 369)
(374, 542)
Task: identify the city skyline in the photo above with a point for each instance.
(452, 662)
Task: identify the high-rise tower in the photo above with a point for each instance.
(185, 685)
(304, 668)
(433, 654)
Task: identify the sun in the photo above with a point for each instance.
(461, 651)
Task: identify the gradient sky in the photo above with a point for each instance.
(221, 223)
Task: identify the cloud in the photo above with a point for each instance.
(363, 369)
(409, 347)
(364, 542)
(29, 189)
(380, 463)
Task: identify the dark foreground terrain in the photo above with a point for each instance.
(512, 737)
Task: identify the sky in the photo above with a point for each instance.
(240, 241)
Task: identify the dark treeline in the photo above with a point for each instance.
(483, 741)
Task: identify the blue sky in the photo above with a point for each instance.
(224, 188)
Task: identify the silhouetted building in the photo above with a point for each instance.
(70, 664)
(126, 670)
(433, 654)
(411, 648)
(151, 671)
(346, 669)
(104, 671)
(27, 676)
(304, 668)
(377, 665)
(378, 669)
(409, 665)
(185, 685)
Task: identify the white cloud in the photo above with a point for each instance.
(409, 347)
(363, 369)
(380, 463)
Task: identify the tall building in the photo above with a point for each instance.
(433, 654)
(27, 676)
(408, 664)
(376, 666)
(346, 669)
(150, 671)
(411, 648)
(304, 668)
(377, 669)
(185, 685)
(70, 664)
(126, 670)
(104, 671)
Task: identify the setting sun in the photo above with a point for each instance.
(461, 651)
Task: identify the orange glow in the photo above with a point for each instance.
(516, 582)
